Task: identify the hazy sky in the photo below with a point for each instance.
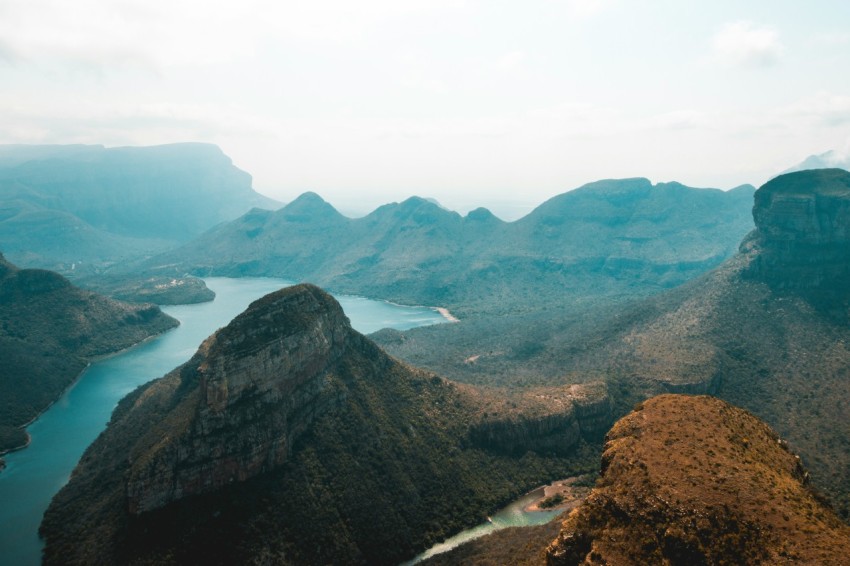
(471, 102)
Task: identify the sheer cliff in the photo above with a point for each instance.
(291, 438)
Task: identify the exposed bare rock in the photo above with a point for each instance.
(260, 378)
(548, 419)
(290, 438)
(803, 233)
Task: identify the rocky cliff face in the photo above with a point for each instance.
(803, 233)
(259, 381)
(550, 419)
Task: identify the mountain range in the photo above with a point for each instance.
(767, 331)
(291, 438)
(618, 236)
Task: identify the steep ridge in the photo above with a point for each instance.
(48, 331)
(290, 438)
(609, 237)
(693, 480)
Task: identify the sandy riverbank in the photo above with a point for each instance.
(570, 495)
(447, 315)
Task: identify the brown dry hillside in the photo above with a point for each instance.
(694, 480)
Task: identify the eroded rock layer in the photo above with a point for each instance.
(259, 384)
(803, 233)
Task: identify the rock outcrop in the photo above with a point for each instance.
(803, 234)
(259, 381)
(693, 480)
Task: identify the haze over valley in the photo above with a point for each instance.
(452, 282)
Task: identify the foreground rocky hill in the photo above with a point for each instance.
(80, 205)
(49, 329)
(609, 237)
(290, 438)
(693, 480)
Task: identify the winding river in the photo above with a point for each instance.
(63, 432)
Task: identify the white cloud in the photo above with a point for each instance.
(747, 44)
(510, 61)
(161, 33)
(587, 8)
(822, 109)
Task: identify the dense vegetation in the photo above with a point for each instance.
(48, 331)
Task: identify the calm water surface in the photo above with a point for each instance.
(63, 432)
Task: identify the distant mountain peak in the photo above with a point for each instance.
(618, 186)
(826, 160)
(482, 214)
(308, 206)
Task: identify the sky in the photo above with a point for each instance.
(474, 103)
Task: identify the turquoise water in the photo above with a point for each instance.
(514, 515)
(63, 432)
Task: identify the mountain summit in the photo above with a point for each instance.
(693, 480)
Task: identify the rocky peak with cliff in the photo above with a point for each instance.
(802, 235)
(256, 386)
(291, 438)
